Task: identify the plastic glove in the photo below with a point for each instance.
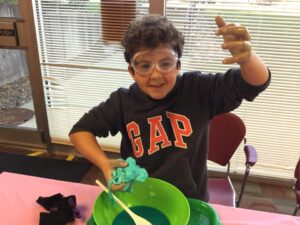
(236, 40)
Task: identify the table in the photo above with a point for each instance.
(18, 195)
(240, 216)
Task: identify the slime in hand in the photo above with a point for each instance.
(127, 175)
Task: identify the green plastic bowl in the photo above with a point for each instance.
(153, 193)
(202, 213)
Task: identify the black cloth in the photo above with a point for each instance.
(62, 210)
(169, 136)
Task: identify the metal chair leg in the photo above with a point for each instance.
(296, 210)
(246, 174)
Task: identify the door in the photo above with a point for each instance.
(23, 118)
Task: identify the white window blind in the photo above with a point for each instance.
(273, 119)
(82, 63)
(81, 57)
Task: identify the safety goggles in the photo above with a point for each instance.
(143, 64)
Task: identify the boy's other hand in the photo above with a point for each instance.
(115, 163)
(236, 40)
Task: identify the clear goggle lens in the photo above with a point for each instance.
(142, 63)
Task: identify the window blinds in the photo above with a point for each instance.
(81, 57)
(272, 120)
(82, 63)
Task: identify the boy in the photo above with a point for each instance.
(163, 117)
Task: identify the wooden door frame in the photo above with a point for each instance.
(19, 136)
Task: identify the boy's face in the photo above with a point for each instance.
(155, 71)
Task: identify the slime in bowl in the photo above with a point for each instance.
(153, 197)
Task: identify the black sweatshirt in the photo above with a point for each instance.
(169, 136)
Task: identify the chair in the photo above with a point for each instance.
(296, 187)
(226, 132)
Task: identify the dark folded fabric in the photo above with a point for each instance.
(62, 210)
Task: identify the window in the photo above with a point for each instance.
(81, 58)
(81, 66)
(272, 120)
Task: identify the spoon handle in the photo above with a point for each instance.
(115, 197)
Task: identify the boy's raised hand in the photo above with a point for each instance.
(236, 40)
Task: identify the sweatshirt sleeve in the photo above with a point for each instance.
(103, 119)
(230, 89)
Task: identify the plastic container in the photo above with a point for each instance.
(202, 213)
(160, 195)
(153, 193)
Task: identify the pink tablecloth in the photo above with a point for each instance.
(18, 194)
(239, 216)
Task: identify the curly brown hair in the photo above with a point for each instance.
(150, 31)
